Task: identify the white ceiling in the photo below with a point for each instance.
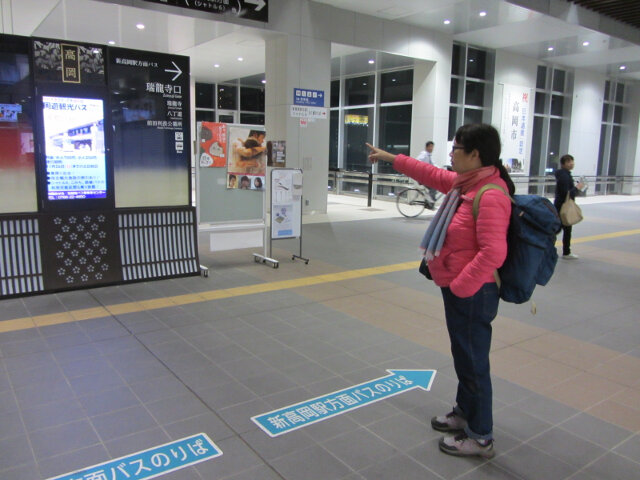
(208, 42)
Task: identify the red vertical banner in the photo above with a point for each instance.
(213, 144)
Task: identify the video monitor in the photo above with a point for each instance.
(74, 140)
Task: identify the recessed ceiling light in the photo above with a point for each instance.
(240, 59)
(216, 65)
(447, 22)
(96, 50)
(393, 79)
(111, 42)
(140, 26)
(550, 49)
(623, 67)
(483, 14)
(364, 84)
(372, 61)
(585, 44)
(263, 81)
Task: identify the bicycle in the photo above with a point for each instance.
(412, 201)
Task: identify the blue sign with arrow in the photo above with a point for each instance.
(151, 463)
(287, 419)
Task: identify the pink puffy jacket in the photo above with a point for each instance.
(472, 249)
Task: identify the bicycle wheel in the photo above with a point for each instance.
(411, 202)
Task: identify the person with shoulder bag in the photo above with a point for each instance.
(462, 253)
(566, 191)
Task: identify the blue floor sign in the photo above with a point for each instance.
(151, 463)
(300, 415)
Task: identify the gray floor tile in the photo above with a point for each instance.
(137, 442)
(630, 448)
(11, 426)
(226, 395)
(546, 409)
(52, 414)
(19, 348)
(68, 340)
(108, 401)
(261, 472)
(567, 447)
(14, 452)
(172, 409)
(63, 439)
(236, 457)
(400, 466)
(157, 388)
(360, 448)
(22, 472)
(238, 417)
(429, 455)
(490, 471)
(595, 430)
(208, 423)
(107, 379)
(610, 464)
(123, 422)
(518, 423)
(533, 464)
(313, 463)
(28, 362)
(72, 461)
(42, 394)
(403, 431)
(271, 448)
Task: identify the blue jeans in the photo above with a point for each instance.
(469, 324)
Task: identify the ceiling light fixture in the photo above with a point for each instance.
(550, 49)
(585, 44)
(483, 14)
(140, 26)
(372, 61)
(263, 81)
(111, 42)
(216, 65)
(447, 22)
(623, 67)
(240, 59)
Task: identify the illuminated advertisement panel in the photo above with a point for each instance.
(74, 148)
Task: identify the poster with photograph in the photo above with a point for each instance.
(276, 153)
(247, 158)
(212, 141)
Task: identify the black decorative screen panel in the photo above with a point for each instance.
(20, 257)
(81, 250)
(157, 244)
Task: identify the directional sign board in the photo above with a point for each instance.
(151, 463)
(249, 9)
(293, 417)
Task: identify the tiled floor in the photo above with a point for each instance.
(94, 375)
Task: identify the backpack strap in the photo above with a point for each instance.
(476, 208)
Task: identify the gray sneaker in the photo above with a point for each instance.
(451, 422)
(463, 446)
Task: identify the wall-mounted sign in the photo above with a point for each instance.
(249, 9)
(74, 148)
(308, 112)
(309, 98)
(58, 62)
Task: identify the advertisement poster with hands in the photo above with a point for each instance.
(247, 159)
(212, 140)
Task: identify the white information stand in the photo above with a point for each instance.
(286, 211)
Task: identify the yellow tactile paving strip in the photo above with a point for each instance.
(599, 381)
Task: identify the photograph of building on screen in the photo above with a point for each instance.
(74, 148)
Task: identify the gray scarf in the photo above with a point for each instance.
(434, 236)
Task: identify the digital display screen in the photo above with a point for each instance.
(74, 148)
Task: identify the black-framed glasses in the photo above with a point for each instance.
(456, 147)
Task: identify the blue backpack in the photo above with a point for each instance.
(531, 252)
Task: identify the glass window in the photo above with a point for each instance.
(395, 132)
(541, 79)
(557, 102)
(227, 97)
(456, 94)
(555, 133)
(541, 98)
(335, 93)
(601, 149)
(396, 86)
(620, 93)
(205, 116)
(472, 115)
(17, 162)
(607, 88)
(558, 80)
(359, 90)
(334, 128)
(204, 95)
(453, 122)
(358, 129)
(477, 63)
(457, 60)
(605, 112)
(474, 94)
(615, 144)
(617, 114)
(536, 146)
(251, 99)
(252, 118)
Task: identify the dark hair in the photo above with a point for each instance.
(565, 158)
(256, 133)
(232, 176)
(429, 143)
(486, 140)
(257, 182)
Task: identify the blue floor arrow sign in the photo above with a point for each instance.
(287, 419)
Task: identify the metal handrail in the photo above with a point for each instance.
(386, 186)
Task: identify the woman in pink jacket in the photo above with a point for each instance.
(462, 254)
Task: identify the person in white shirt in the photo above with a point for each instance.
(426, 156)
